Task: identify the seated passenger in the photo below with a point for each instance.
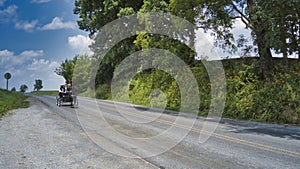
(62, 91)
(69, 88)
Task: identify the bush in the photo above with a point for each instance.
(274, 101)
(103, 92)
(155, 88)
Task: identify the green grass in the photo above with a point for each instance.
(11, 100)
(45, 92)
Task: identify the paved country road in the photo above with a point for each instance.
(103, 134)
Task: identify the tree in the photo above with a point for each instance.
(13, 89)
(23, 88)
(270, 23)
(66, 69)
(96, 13)
(284, 37)
(38, 85)
(82, 78)
(77, 70)
(260, 16)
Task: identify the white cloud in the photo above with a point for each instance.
(32, 53)
(57, 23)
(7, 13)
(5, 57)
(8, 59)
(205, 46)
(5, 53)
(239, 24)
(240, 28)
(40, 1)
(25, 25)
(81, 44)
(10, 10)
(40, 64)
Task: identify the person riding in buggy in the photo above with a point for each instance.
(65, 95)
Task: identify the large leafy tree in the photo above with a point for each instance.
(271, 23)
(176, 43)
(94, 14)
(285, 20)
(274, 24)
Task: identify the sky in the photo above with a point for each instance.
(36, 37)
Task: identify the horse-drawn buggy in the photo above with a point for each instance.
(66, 96)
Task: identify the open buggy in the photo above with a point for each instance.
(67, 98)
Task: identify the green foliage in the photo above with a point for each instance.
(249, 97)
(96, 13)
(284, 17)
(103, 92)
(13, 89)
(204, 88)
(155, 88)
(82, 79)
(66, 69)
(241, 92)
(271, 23)
(274, 101)
(23, 88)
(259, 90)
(11, 100)
(38, 85)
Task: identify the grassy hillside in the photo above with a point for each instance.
(249, 97)
(11, 100)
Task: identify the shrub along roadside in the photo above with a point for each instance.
(273, 101)
(249, 97)
(11, 100)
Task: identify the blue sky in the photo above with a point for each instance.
(36, 36)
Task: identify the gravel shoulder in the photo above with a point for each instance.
(36, 137)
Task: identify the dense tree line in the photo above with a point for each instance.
(274, 24)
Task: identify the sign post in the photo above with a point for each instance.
(7, 76)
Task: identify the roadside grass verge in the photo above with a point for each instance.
(45, 92)
(12, 100)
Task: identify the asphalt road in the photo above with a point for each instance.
(104, 134)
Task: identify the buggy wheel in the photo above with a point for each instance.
(58, 101)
